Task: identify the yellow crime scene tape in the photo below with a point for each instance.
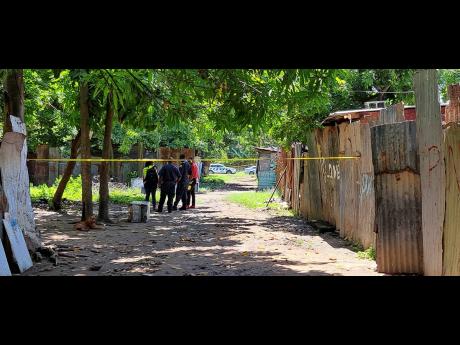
(177, 160)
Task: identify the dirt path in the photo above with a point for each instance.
(216, 238)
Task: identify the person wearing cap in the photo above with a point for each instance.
(150, 182)
(181, 192)
(168, 176)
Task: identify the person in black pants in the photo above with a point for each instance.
(168, 176)
(181, 193)
(150, 182)
(194, 180)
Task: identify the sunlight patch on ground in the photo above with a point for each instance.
(131, 260)
(63, 237)
(186, 249)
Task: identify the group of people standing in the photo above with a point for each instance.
(172, 180)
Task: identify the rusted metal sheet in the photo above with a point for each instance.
(366, 190)
(312, 183)
(167, 152)
(280, 172)
(289, 181)
(349, 145)
(41, 168)
(297, 153)
(432, 171)
(303, 198)
(451, 237)
(328, 146)
(452, 114)
(398, 199)
(53, 167)
(392, 114)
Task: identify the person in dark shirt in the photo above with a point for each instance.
(168, 177)
(181, 192)
(150, 182)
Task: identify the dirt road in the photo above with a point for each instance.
(216, 238)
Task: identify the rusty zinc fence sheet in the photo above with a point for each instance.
(392, 114)
(280, 167)
(398, 198)
(452, 113)
(297, 153)
(349, 145)
(366, 205)
(312, 207)
(289, 181)
(328, 146)
(451, 238)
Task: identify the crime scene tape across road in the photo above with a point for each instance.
(177, 159)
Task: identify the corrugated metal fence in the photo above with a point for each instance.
(377, 200)
(342, 192)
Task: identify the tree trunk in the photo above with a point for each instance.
(57, 198)
(112, 164)
(14, 97)
(15, 168)
(85, 148)
(105, 166)
(140, 155)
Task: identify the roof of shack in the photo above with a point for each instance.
(356, 114)
(266, 149)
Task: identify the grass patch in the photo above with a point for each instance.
(229, 177)
(368, 254)
(211, 182)
(217, 181)
(258, 200)
(72, 192)
(250, 199)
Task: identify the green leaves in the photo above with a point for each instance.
(50, 112)
(447, 77)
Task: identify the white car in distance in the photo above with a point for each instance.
(250, 170)
(221, 169)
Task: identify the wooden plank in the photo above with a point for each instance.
(15, 182)
(451, 238)
(18, 244)
(397, 198)
(432, 171)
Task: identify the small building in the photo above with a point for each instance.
(266, 167)
(367, 115)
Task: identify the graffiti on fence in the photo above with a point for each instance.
(367, 185)
(433, 149)
(331, 170)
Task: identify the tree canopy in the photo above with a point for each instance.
(220, 111)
